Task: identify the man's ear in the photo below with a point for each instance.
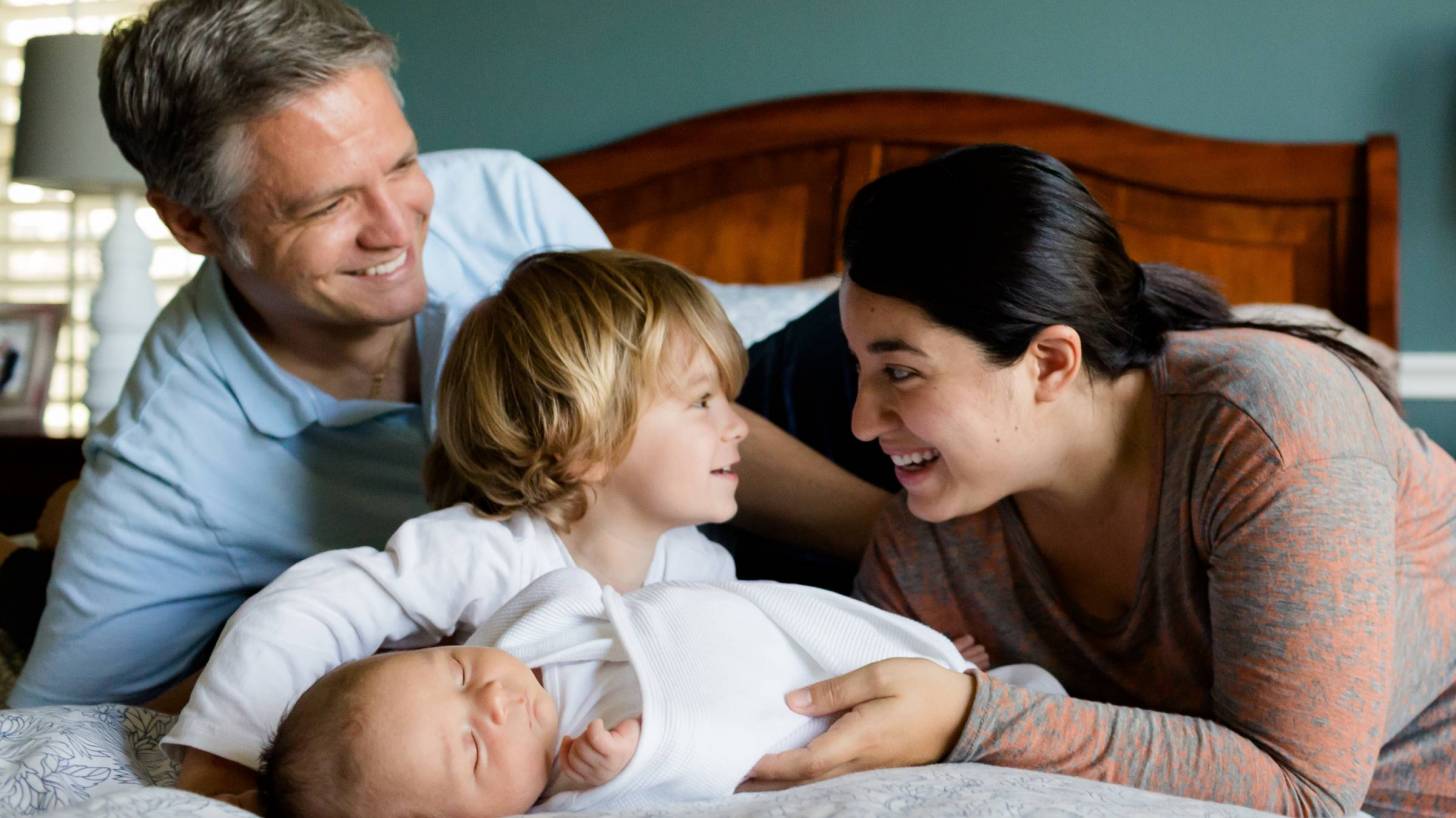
(191, 229)
(1056, 356)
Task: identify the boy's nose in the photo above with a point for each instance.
(737, 428)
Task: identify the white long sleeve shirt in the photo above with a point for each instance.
(441, 575)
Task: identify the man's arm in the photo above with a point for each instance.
(139, 589)
(790, 492)
(210, 775)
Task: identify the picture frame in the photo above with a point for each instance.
(28, 335)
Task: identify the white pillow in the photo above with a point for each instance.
(759, 310)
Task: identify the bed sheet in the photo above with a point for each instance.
(106, 760)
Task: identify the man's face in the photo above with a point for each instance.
(333, 219)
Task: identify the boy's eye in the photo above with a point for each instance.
(461, 665)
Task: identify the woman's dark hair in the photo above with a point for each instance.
(999, 242)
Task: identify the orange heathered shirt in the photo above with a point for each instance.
(1292, 645)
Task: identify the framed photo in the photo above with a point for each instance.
(28, 335)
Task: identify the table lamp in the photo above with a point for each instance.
(61, 142)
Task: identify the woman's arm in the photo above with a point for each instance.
(1300, 597)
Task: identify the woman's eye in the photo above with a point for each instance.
(897, 373)
(702, 401)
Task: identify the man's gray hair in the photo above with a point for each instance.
(180, 84)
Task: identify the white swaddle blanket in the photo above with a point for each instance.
(714, 663)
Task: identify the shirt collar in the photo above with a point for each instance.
(276, 403)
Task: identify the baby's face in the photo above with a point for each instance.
(465, 731)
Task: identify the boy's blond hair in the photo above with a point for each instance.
(547, 378)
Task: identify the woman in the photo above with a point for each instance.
(1221, 537)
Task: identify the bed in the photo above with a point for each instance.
(756, 196)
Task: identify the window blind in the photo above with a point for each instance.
(50, 239)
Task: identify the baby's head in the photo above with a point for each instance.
(550, 381)
(449, 731)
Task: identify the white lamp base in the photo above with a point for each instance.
(122, 308)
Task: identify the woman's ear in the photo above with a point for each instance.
(191, 229)
(1056, 356)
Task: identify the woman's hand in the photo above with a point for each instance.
(902, 712)
(973, 652)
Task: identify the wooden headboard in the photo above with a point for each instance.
(758, 193)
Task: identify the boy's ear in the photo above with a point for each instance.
(191, 229)
(1056, 357)
(590, 472)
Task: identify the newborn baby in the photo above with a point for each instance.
(460, 730)
(472, 729)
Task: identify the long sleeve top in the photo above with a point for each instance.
(1292, 643)
(441, 575)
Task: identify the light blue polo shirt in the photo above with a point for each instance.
(218, 470)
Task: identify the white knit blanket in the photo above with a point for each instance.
(714, 663)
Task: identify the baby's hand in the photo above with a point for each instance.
(973, 651)
(598, 754)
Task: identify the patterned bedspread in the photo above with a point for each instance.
(106, 761)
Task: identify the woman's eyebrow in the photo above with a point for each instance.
(883, 345)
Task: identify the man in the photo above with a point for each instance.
(282, 402)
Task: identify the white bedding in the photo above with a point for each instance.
(106, 761)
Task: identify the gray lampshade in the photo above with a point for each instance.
(61, 139)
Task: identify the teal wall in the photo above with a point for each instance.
(552, 77)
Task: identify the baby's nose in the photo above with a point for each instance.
(499, 701)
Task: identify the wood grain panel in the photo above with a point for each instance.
(764, 218)
(756, 237)
(1310, 222)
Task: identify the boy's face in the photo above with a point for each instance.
(465, 731)
(679, 469)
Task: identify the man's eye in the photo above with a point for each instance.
(326, 209)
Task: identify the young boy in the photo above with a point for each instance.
(693, 676)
